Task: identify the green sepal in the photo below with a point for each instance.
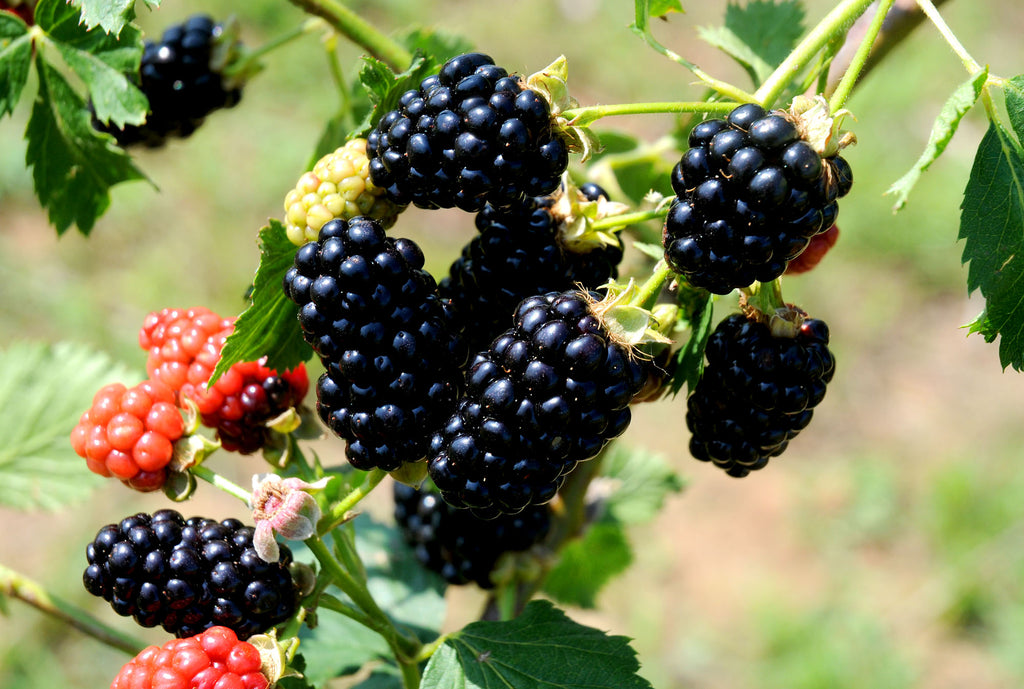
(626, 321)
(551, 84)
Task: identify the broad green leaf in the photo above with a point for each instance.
(639, 480)
(688, 362)
(758, 35)
(1014, 89)
(540, 649)
(73, 165)
(982, 326)
(101, 61)
(338, 646)
(270, 326)
(44, 389)
(586, 564)
(943, 129)
(15, 60)
(384, 87)
(111, 15)
(659, 8)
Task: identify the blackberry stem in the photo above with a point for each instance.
(359, 31)
(328, 601)
(252, 56)
(218, 481)
(345, 505)
(766, 297)
(585, 115)
(933, 15)
(836, 22)
(651, 289)
(860, 58)
(23, 588)
(626, 219)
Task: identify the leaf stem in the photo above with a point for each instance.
(583, 116)
(252, 56)
(649, 292)
(19, 586)
(626, 219)
(359, 31)
(218, 481)
(860, 58)
(839, 20)
(338, 511)
(933, 15)
(641, 27)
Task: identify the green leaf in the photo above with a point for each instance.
(101, 61)
(640, 479)
(586, 564)
(659, 8)
(992, 223)
(73, 165)
(540, 649)
(111, 15)
(436, 45)
(44, 389)
(270, 326)
(943, 129)
(15, 60)
(338, 646)
(384, 87)
(759, 35)
(688, 362)
(982, 326)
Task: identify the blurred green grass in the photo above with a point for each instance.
(884, 549)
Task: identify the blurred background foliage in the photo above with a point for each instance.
(884, 550)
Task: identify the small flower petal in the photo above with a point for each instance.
(264, 544)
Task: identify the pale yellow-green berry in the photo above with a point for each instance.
(338, 186)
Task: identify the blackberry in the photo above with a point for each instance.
(756, 392)
(189, 575)
(469, 135)
(460, 547)
(520, 252)
(180, 76)
(25, 9)
(176, 344)
(750, 195)
(338, 186)
(390, 344)
(547, 394)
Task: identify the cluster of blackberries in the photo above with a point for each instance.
(459, 546)
(750, 194)
(469, 135)
(756, 392)
(390, 345)
(548, 393)
(180, 82)
(189, 575)
(520, 253)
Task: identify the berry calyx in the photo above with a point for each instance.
(214, 659)
(129, 433)
(338, 186)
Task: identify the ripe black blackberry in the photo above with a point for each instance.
(521, 252)
(469, 135)
(189, 575)
(750, 194)
(182, 81)
(756, 392)
(457, 545)
(390, 344)
(547, 394)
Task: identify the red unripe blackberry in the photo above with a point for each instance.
(129, 433)
(469, 135)
(390, 344)
(458, 545)
(175, 338)
(520, 253)
(750, 195)
(756, 392)
(815, 251)
(182, 82)
(547, 394)
(214, 659)
(189, 575)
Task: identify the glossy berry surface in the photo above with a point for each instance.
(175, 341)
(750, 196)
(547, 394)
(390, 345)
(757, 392)
(181, 83)
(189, 575)
(129, 433)
(338, 186)
(214, 659)
(459, 546)
(469, 135)
(519, 253)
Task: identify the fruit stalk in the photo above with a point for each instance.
(338, 510)
(359, 31)
(583, 116)
(929, 9)
(253, 56)
(860, 58)
(19, 586)
(835, 22)
(218, 481)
